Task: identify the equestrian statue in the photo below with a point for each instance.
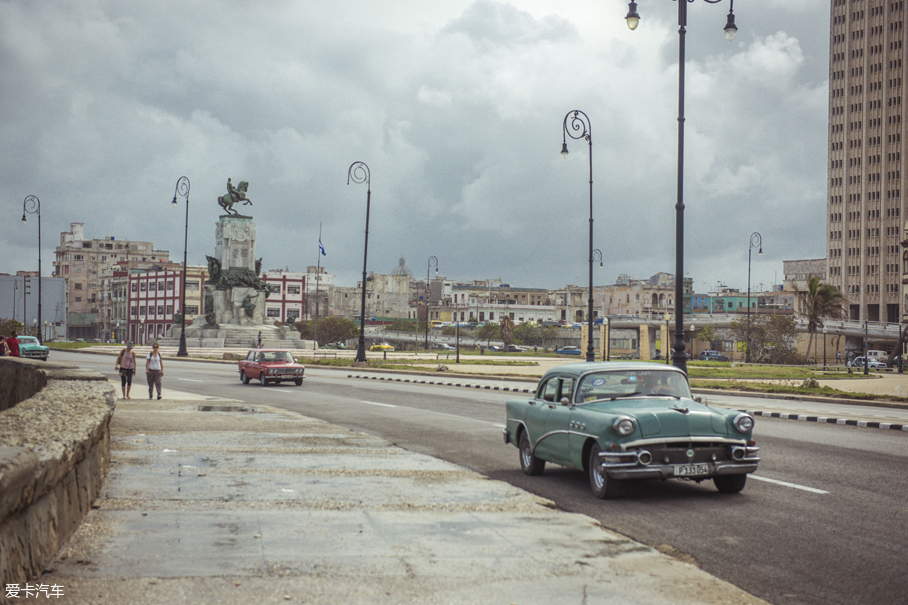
(234, 195)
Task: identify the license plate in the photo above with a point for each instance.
(691, 470)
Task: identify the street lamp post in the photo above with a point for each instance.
(580, 129)
(32, 205)
(825, 330)
(756, 241)
(433, 262)
(359, 173)
(633, 19)
(182, 189)
(866, 363)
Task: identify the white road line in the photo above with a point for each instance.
(190, 380)
(384, 405)
(786, 484)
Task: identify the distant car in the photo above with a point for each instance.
(271, 365)
(32, 349)
(858, 362)
(713, 356)
(337, 344)
(625, 421)
(492, 348)
(569, 351)
(516, 349)
(442, 346)
(381, 346)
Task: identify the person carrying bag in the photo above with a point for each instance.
(126, 364)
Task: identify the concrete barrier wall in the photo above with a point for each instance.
(54, 456)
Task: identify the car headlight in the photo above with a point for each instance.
(744, 423)
(624, 426)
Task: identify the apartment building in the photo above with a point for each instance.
(87, 266)
(155, 297)
(288, 300)
(866, 196)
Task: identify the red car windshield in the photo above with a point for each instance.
(275, 357)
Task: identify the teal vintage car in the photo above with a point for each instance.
(620, 421)
(31, 348)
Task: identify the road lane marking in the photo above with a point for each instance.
(384, 405)
(190, 380)
(786, 484)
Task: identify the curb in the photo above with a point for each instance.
(824, 420)
(778, 415)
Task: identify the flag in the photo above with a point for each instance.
(320, 247)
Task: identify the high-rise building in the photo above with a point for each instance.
(866, 197)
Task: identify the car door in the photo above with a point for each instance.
(541, 407)
(558, 425)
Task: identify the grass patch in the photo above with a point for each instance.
(824, 391)
(74, 345)
(746, 372)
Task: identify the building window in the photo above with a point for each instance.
(273, 312)
(169, 309)
(151, 286)
(293, 289)
(142, 287)
(169, 285)
(192, 310)
(192, 285)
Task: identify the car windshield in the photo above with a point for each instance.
(277, 356)
(27, 340)
(628, 383)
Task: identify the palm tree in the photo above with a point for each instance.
(820, 301)
(507, 331)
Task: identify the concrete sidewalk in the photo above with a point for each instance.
(213, 501)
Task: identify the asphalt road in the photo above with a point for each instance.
(823, 521)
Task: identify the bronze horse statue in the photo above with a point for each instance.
(234, 195)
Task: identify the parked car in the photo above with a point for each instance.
(569, 351)
(858, 362)
(621, 421)
(516, 349)
(492, 348)
(381, 346)
(713, 356)
(271, 365)
(442, 346)
(337, 344)
(30, 347)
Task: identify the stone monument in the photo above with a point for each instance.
(234, 293)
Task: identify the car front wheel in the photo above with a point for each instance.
(530, 464)
(730, 484)
(603, 486)
(243, 378)
(262, 380)
(299, 382)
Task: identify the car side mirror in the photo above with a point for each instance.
(565, 401)
(701, 400)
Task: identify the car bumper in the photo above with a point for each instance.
(668, 461)
(33, 354)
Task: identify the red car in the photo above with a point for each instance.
(271, 365)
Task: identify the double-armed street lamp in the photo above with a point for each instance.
(633, 19)
(756, 241)
(433, 262)
(359, 173)
(32, 205)
(579, 128)
(182, 189)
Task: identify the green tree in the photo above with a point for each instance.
(820, 301)
(487, 332)
(8, 325)
(329, 329)
(528, 333)
(708, 335)
(768, 338)
(402, 325)
(507, 331)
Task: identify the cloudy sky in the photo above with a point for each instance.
(457, 108)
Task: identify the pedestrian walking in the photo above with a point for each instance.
(838, 357)
(12, 344)
(126, 364)
(154, 370)
(259, 342)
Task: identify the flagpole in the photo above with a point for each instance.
(318, 274)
